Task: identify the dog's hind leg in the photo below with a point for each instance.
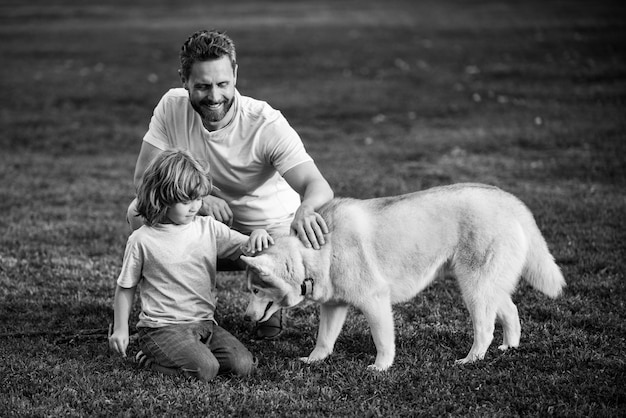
(509, 318)
(380, 318)
(482, 304)
(332, 318)
(483, 321)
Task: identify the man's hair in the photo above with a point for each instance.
(206, 45)
(172, 177)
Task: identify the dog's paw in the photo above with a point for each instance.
(312, 358)
(471, 358)
(376, 368)
(316, 355)
(505, 347)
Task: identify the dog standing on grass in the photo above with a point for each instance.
(385, 250)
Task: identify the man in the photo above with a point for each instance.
(262, 174)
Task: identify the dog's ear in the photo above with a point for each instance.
(255, 264)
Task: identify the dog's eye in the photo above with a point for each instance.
(255, 291)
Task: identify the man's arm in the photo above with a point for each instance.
(314, 191)
(147, 153)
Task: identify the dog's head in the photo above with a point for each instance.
(274, 279)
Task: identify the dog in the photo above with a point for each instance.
(385, 250)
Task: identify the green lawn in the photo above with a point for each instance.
(389, 97)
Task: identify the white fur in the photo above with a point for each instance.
(386, 250)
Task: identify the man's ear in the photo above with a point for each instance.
(183, 79)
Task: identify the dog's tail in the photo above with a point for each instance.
(540, 270)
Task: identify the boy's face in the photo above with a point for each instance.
(211, 87)
(184, 212)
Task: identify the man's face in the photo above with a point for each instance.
(211, 87)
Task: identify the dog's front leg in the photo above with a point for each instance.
(380, 318)
(332, 317)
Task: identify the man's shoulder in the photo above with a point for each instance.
(173, 103)
(257, 109)
(176, 94)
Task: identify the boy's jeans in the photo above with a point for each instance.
(200, 349)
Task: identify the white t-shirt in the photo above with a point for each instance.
(174, 267)
(247, 158)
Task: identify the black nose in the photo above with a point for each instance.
(247, 318)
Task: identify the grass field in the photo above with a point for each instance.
(389, 97)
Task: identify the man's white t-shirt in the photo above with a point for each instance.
(247, 158)
(174, 267)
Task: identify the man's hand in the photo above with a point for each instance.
(309, 226)
(217, 208)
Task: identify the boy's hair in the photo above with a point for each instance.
(172, 177)
(206, 45)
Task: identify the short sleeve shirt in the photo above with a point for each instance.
(247, 158)
(174, 267)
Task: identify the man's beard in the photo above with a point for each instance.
(211, 115)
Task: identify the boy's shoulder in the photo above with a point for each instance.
(219, 230)
(139, 235)
(208, 223)
(148, 232)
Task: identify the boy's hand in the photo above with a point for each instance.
(259, 240)
(118, 341)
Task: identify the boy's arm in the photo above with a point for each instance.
(124, 297)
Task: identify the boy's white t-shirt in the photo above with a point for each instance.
(247, 158)
(174, 267)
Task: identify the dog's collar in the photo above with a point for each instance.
(306, 287)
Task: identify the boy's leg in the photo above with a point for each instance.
(233, 357)
(179, 348)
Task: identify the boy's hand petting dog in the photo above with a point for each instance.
(259, 240)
